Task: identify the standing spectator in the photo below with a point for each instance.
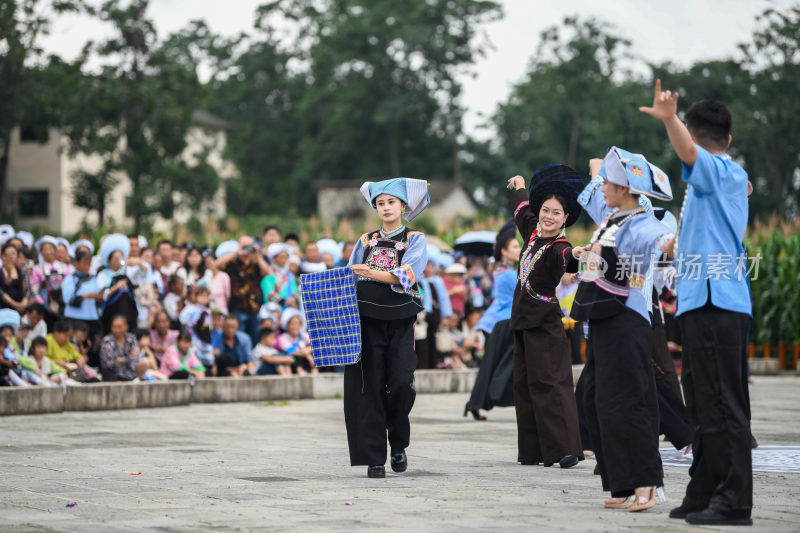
(347, 250)
(246, 267)
(161, 336)
(280, 285)
(233, 350)
(12, 289)
(270, 236)
(135, 247)
(312, 261)
(53, 272)
(113, 281)
(169, 266)
(456, 287)
(194, 271)
(119, 352)
(62, 251)
(80, 294)
(220, 285)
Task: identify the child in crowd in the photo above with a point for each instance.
(180, 361)
(295, 342)
(173, 301)
(50, 373)
(272, 361)
(147, 367)
(196, 318)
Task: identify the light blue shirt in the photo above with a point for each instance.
(711, 254)
(445, 309)
(88, 307)
(500, 309)
(638, 241)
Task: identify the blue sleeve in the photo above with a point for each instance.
(593, 201)
(414, 261)
(358, 254)
(705, 173)
(427, 297)
(645, 202)
(68, 289)
(445, 308)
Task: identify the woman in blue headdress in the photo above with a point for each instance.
(378, 392)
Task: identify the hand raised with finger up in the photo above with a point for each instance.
(665, 104)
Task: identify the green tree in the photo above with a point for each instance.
(137, 112)
(31, 83)
(372, 92)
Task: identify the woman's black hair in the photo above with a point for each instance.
(185, 335)
(201, 268)
(559, 198)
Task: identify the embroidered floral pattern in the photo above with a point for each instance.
(384, 259)
(373, 242)
(400, 245)
(520, 206)
(541, 297)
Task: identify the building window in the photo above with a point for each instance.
(34, 203)
(37, 134)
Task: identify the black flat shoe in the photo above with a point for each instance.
(376, 471)
(399, 461)
(597, 469)
(569, 461)
(476, 414)
(710, 517)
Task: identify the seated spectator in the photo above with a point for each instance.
(456, 287)
(272, 361)
(51, 374)
(119, 352)
(448, 340)
(470, 347)
(20, 340)
(9, 359)
(173, 301)
(35, 315)
(180, 360)
(233, 350)
(196, 319)
(161, 336)
(63, 353)
(147, 367)
(295, 342)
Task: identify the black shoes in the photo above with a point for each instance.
(476, 414)
(680, 512)
(399, 461)
(569, 461)
(376, 471)
(710, 517)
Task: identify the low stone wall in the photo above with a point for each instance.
(109, 396)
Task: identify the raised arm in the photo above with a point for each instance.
(520, 209)
(665, 108)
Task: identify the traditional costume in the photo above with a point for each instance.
(547, 418)
(378, 391)
(494, 385)
(614, 295)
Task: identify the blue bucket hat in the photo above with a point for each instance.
(9, 317)
(635, 172)
(413, 192)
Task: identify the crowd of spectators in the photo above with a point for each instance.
(127, 310)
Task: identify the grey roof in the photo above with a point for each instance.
(209, 120)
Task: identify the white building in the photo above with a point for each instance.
(40, 181)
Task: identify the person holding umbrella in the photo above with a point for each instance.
(547, 416)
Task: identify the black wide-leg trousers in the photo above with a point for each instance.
(378, 391)
(714, 341)
(620, 403)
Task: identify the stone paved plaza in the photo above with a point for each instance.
(282, 466)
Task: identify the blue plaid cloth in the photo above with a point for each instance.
(329, 299)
